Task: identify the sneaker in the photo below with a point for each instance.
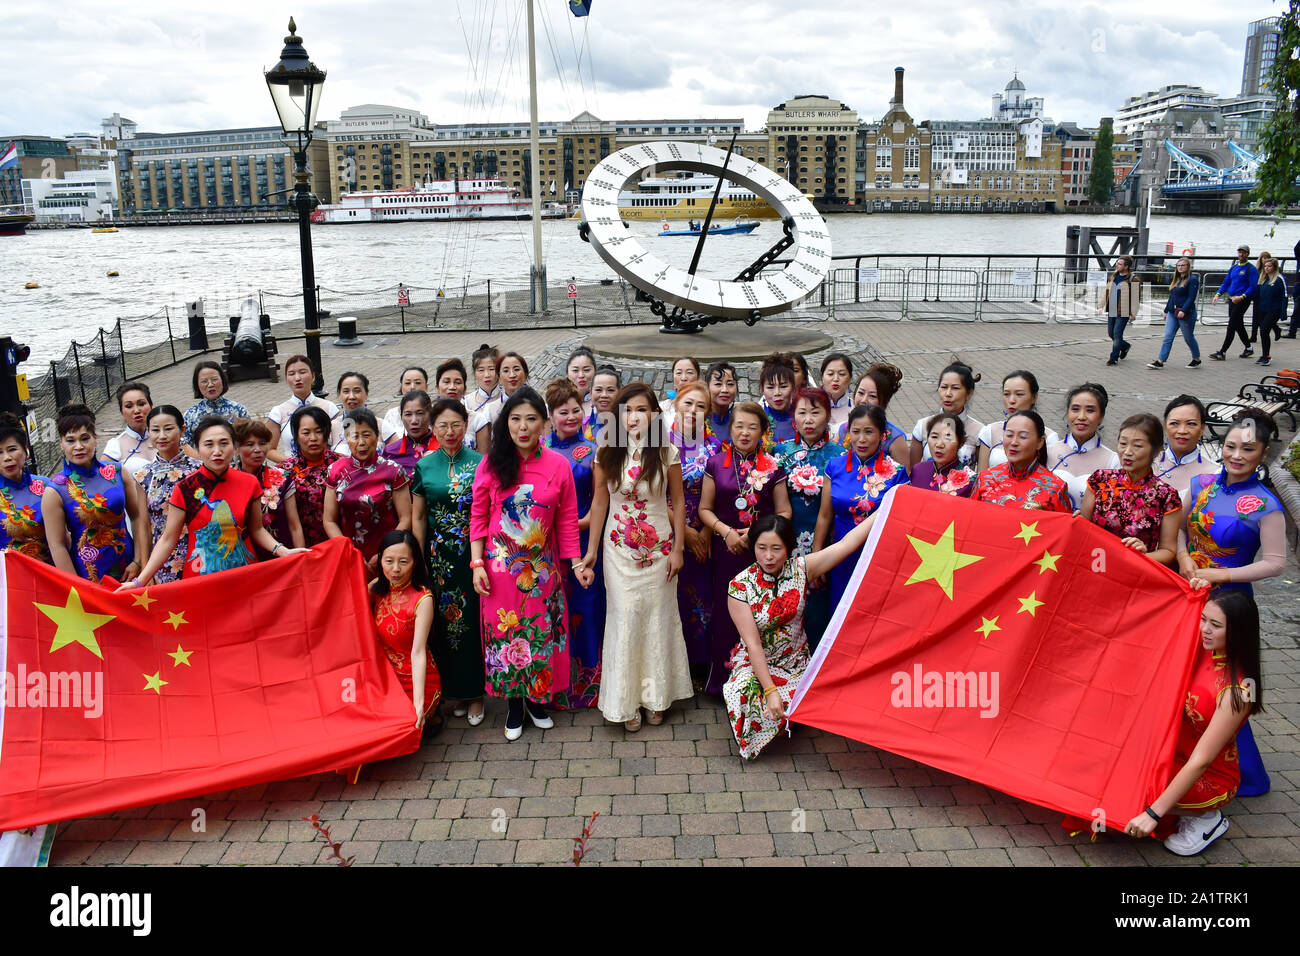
(1123, 353)
(1217, 356)
(1248, 353)
(538, 715)
(1264, 360)
(1194, 363)
(1195, 833)
(1112, 361)
(1155, 363)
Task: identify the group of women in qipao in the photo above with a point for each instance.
(590, 543)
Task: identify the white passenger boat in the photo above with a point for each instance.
(437, 199)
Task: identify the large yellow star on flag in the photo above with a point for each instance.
(939, 560)
(1030, 604)
(76, 624)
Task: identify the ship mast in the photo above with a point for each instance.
(537, 276)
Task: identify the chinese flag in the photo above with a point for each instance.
(1027, 650)
(243, 677)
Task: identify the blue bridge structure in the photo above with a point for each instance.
(1190, 177)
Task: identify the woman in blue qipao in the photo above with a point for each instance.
(856, 481)
(586, 605)
(804, 459)
(89, 503)
(22, 526)
(1235, 534)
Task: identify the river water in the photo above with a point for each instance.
(170, 265)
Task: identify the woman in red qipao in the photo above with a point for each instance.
(1023, 480)
(1224, 691)
(402, 601)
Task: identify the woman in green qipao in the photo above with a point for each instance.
(443, 492)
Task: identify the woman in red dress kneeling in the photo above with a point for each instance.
(402, 603)
(1224, 691)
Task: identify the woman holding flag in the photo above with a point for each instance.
(766, 604)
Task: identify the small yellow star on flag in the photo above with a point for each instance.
(144, 600)
(180, 656)
(1047, 562)
(988, 627)
(176, 619)
(1028, 532)
(939, 560)
(76, 624)
(155, 682)
(1030, 604)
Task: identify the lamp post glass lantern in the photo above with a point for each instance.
(295, 84)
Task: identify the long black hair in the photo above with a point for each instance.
(419, 573)
(1241, 615)
(503, 458)
(612, 457)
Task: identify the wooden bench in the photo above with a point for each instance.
(1220, 415)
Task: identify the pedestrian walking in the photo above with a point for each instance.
(1123, 295)
(1238, 285)
(1270, 300)
(1180, 313)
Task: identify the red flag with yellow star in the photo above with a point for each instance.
(1026, 650)
(247, 676)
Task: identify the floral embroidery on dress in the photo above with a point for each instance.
(520, 545)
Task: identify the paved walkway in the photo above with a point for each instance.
(679, 793)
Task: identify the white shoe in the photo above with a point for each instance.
(514, 733)
(1195, 833)
(460, 711)
(541, 723)
(476, 719)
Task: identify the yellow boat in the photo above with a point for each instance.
(104, 229)
(32, 285)
(688, 197)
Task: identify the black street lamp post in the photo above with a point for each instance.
(295, 84)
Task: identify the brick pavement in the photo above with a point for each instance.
(678, 794)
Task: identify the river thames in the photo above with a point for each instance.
(168, 266)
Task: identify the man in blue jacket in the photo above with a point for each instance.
(1239, 285)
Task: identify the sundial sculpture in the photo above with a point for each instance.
(687, 302)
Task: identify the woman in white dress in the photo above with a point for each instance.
(1019, 394)
(1081, 453)
(644, 659)
(956, 389)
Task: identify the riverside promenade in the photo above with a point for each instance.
(678, 794)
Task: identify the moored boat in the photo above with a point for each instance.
(434, 200)
(689, 196)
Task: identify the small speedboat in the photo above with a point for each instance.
(737, 228)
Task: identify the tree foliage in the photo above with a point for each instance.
(1280, 139)
(1101, 180)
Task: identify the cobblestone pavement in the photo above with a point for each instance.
(679, 793)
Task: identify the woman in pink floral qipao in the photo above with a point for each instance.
(523, 531)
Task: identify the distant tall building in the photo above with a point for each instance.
(1152, 105)
(1262, 39)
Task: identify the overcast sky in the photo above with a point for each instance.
(69, 64)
